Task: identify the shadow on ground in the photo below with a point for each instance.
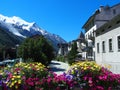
(55, 63)
(54, 69)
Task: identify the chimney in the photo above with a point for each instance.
(101, 8)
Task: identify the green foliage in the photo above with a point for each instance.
(60, 58)
(72, 54)
(38, 49)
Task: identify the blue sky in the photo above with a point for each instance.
(62, 17)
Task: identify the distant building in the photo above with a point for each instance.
(81, 46)
(101, 16)
(107, 44)
(63, 49)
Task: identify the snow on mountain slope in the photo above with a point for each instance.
(13, 20)
(21, 28)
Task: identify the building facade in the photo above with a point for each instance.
(101, 16)
(65, 48)
(107, 44)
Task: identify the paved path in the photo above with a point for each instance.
(59, 67)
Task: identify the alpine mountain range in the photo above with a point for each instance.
(23, 29)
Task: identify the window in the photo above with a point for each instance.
(97, 47)
(103, 46)
(118, 39)
(93, 33)
(114, 11)
(109, 27)
(97, 33)
(118, 22)
(102, 30)
(110, 45)
(86, 36)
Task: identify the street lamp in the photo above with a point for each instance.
(17, 45)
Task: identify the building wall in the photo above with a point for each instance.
(111, 58)
(105, 14)
(90, 32)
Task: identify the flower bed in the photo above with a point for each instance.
(91, 76)
(80, 76)
(32, 76)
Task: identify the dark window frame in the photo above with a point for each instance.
(103, 46)
(110, 45)
(118, 42)
(114, 11)
(98, 48)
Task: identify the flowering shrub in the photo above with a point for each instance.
(35, 76)
(89, 75)
(32, 76)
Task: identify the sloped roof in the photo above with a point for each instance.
(110, 24)
(90, 18)
(81, 36)
(96, 12)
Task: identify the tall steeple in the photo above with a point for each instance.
(81, 36)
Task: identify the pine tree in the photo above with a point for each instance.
(73, 53)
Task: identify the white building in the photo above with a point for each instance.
(107, 44)
(101, 16)
(63, 49)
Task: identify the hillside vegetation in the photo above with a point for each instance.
(8, 39)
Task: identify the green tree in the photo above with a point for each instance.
(73, 53)
(38, 49)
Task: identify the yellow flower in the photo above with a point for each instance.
(72, 71)
(84, 68)
(92, 69)
(25, 66)
(109, 66)
(15, 81)
(15, 72)
(12, 79)
(19, 81)
(12, 84)
(18, 76)
(16, 87)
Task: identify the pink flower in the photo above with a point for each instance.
(85, 78)
(58, 88)
(110, 88)
(49, 80)
(99, 88)
(90, 82)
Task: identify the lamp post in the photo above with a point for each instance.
(17, 45)
(4, 52)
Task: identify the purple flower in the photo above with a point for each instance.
(1, 82)
(69, 77)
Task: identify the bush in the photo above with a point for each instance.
(35, 76)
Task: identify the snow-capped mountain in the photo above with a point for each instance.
(21, 28)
